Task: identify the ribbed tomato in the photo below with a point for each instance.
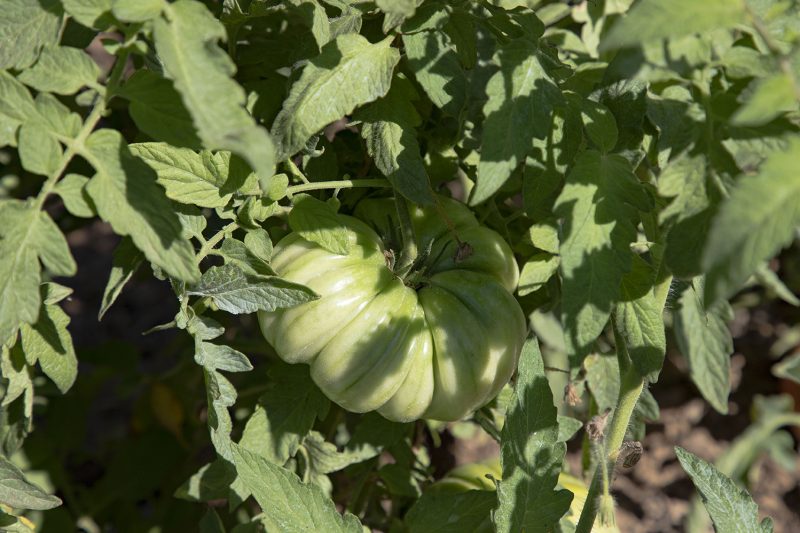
(437, 343)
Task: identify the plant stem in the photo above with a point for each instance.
(214, 240)
(631, 385)
(342, 184)
(73, 147)
(409, 252)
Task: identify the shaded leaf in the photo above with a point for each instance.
(72, 190)
(440, 512)
(127, 196)
(437, 69)
(599, 205)
(186, 44)
(349, 72)
(531, 453)
(521, 100)
(48, 342)
(772, 97)
(285, 414)
(289, 505)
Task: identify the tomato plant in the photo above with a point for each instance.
(360, 234)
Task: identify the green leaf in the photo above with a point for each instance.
(651, 20)
(772, 97)
(61, 70)
(259, 244)
(25, 27)
(599, 205)
(127, 259)
(731, 508)
(753, 224)
(157, 109)
(437, 68)
(39, 152)
(237, 253)
(211, 482)
(531, 454)
(285, 414)
(789, 368)
(348, 73)
(220, 357)
(49, 342)
(598, 121)
(537, 271)
(235, 292)
(186, 42)
(27, 234)
(220, 394)
(326, 458)
(19, 493)
(72, 190)
(289, 505)
(775, 287)
(703, 338)
(389, 131)
(211, 522)
(544, 236)
(683, 180)
(137, 10)
(638, 319)
(128, 197)
(439, 512)
(91, 13)
(317, 221)
(188, 177)
(521, 100)
(602, 378)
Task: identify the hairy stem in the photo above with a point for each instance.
(215, 240)
(409, 252)
(631, 386)
(342, 184)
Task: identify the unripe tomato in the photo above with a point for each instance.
(472, 476)
(437, 344)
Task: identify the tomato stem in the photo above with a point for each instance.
(341, 184)
(409, 252)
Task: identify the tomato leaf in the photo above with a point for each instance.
(127, 195)
(317, 221)
(285, 414)
(638, 318)
(704, 339)
(48, 342)
(452, 513)
(18, 492)
(437, 69)
(389, 130)
(288, 504)
(531, 454)
(25, 28)
(521, 99)
(599, 205)
(185, 38)
(61, 70)
(126, 261)
(731, 508)
(235, 292)
(650, 20)
(753, 224)
(348, 73)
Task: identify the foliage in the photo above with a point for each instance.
(639, 157)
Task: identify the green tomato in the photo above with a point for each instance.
(474, 476)
(438, 347)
